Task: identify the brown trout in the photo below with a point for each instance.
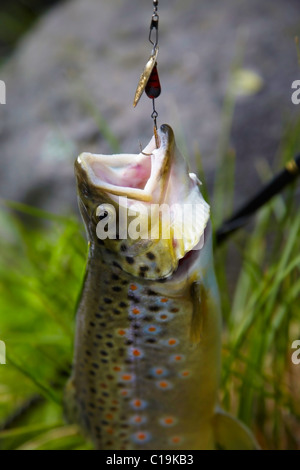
(147, 358)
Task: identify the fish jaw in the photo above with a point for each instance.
(156, 186)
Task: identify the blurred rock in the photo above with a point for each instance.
(81, 63)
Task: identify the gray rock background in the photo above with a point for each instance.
(81, 63)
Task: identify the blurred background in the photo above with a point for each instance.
(71, 70)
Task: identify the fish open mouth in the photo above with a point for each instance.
(137, 176)
(173, 212)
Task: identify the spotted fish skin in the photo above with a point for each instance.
(138, 375)
(147, 349)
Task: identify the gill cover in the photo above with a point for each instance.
(151, 201)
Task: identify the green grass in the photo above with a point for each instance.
(41, 273)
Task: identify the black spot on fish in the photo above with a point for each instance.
(88, 353)
(104, 361)
(98, 315)
(117, 289)
(103, 324)
(151, 292)
(103, 353)
(129, 260)
(148, 318)
(144, 268)
(123, 247)
(107, 300)
(151, 340)
(93, 390)
(99, 336)
(154, 308)
(174, 310)
(115, 277)
(109, 335)
(110, 345)
(123, 304)
(116, 265)
(95, 365)
(92, 405)
(133, 297)
(92, 324)
(116, 311)
(150, 255)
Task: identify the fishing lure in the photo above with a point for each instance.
(147, 354)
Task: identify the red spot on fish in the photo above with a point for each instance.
(141, 436)
(178, 358)
(136, 352)
(136, 311)
(164, 300)
(176, 440)
(169, 420)
(185, 373)
(121, 332)
(152, 329)
(164, 384)
(172, 341)
(133, 287)
(126, 377)
(117, 368)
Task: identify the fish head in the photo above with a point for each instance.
(146, 209)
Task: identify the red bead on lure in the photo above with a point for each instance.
(153, 87)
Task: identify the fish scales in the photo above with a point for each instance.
(146, 363)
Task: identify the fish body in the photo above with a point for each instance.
(147, 357)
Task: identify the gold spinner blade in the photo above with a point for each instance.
(145, 77)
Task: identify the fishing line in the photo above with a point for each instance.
(149, 79)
